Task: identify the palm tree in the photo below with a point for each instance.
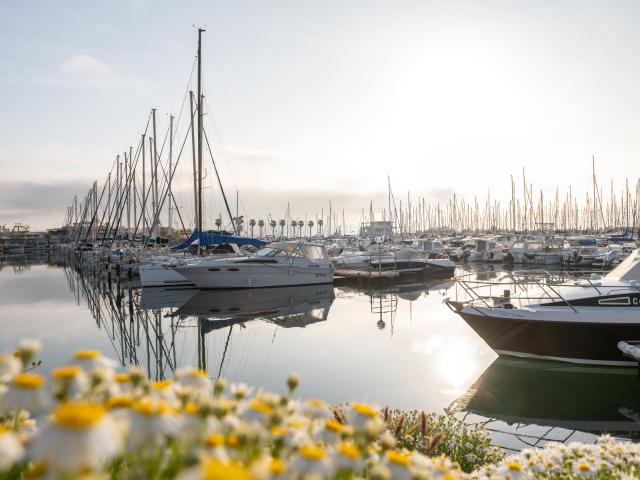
(273, 224)
(239, 221)
(310, 226)
(320, 223)
(261, 225)
(252, 223)
(218, 222)
(300, 225)
(282, 225)
(294, 224)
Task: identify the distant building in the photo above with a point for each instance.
(381, 227)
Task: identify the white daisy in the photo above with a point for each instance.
(79, 436)
(11, 449)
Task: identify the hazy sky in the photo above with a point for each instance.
(311, 101)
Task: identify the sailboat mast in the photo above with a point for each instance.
(200, 30)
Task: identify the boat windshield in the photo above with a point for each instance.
(276, 252)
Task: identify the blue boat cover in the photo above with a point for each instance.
(216, 238)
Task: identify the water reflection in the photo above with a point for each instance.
(543, 400)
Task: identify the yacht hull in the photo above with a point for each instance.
(254, 275)
(158, 275)
(554, 335)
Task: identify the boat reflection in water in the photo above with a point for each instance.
(544, 400)
(284, 306)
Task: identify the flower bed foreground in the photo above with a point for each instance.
(87, 421)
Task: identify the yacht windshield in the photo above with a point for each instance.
(269, 252)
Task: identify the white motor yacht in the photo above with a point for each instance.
(278, 264)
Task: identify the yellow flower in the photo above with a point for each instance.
(29, 380)
(316, 403)
(65, 373)
(87, 354)
(334, 426)
(232, 441)
(364, 409)
(161, 385)
(261, 407)
(514, 466)
(78, 414)
(399, 458)
(120, 401)
(312, 452)
(192, 408)
(215, 440)
(278, 432)
(276, 466)
(349, 450)
(121, 377)
(149, 407)
(583, 467)
(214, 469)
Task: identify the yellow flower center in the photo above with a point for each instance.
(334, 426)
(261, 407)
(120, 401)
(87, 354)
(349, 450)
(278, 432)
(315, 403)
(451, 476)
(215, 440)
(192, 408)
(583, 467)
(514, 466)
(214, 469)
(233, 442)
(148, 407)
(399, 458)
(66, 373)
(199, 373)
(121, 377)
(161, 385)
(364, 409)
(296, 423)
(276, 466)
(29, 380)
(312, 452)
(78, 414)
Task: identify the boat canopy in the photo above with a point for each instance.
(629, 269)
(216, 238)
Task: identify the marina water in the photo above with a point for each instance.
(396, 345)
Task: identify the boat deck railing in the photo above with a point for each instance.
(522, 286)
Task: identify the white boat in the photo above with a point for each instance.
(537, 315)
(159, 271)
(487, 250)
(535, 252)
(278, 264)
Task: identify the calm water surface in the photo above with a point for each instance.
(397, 346)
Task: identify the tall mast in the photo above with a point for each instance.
(200, 30)
(593, 169)
(170, 220)
(195, 168)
